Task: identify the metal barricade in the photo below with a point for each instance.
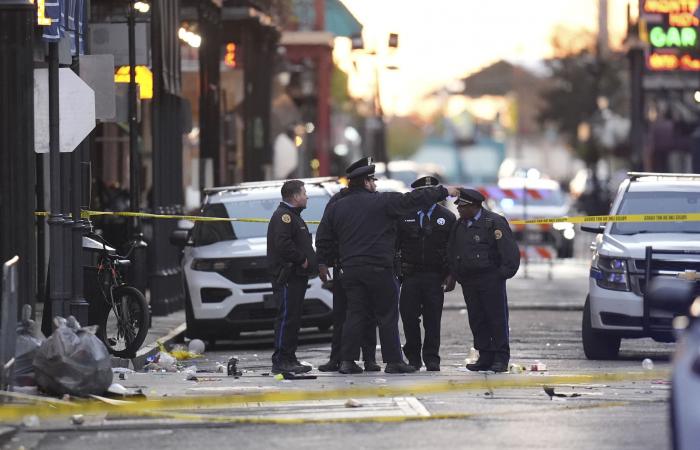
(8, 322)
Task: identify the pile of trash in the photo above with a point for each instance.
(72, 361)
(167, 361)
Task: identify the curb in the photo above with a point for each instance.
(151, 349)
(529, 307)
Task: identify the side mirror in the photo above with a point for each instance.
(593, 228)
(180, 238)
(671, 294)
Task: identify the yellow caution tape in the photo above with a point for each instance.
(691, 217)
(17, 412)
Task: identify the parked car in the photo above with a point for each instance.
(627, 255)
(536, 198)
(227, 283)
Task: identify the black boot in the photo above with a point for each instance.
(330, 366)
(349, 367)
(372, 366)
(480, 364)
(432, 366)
(399, 367)
(499, 366)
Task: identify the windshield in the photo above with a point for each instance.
(535, 197)
(263, 209)
(658, 203)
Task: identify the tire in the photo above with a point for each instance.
(120, 342)
(597, 345)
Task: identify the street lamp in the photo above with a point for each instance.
(378, 128)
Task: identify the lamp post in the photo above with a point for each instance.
(378, 128)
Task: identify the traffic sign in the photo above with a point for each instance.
(76, 110)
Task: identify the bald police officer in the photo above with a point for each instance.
(422, 246)
(364, 225)
(483, 254)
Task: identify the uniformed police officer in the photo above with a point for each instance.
(483, 254)
(291, 260)
(329, 255)
(364, 225)
(422, 245)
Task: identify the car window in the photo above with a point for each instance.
(658, 203)
(205, 233)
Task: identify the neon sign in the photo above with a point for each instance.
(144, 78)
(673, 35)
(230, 56)
(41, 18)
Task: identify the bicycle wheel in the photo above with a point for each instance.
(127, 322)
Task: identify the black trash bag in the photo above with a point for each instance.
(73, 361)
(29, 339)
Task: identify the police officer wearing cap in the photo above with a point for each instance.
(340, 302)
(422, 246)
(291, 261)
(482, 255)
(364, 225)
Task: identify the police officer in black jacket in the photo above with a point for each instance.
(364, 225)
(340, 301)
(291, 261)
(483, 254)
(422, 245)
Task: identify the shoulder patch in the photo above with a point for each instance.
(498, 234)
(286, 218)
(441, 221)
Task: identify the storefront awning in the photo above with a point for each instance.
(340, 21)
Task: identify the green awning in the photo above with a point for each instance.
(340, 21)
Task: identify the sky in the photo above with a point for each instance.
(443, 40)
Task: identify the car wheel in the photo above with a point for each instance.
(597, 345)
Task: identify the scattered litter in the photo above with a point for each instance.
(118, 389)
(548, 344)
(220, 368)
(349, 381)
(29, 339)
(179, 352)
(162, 361)
(550, 391)
(122, 376)
(352, 403)
(472, 356)
(293, 376)
(279, 377)
(379, 381)
(516, 368)
(232, 367)
(265, 374)
(111, 401)
(122, 370)
(30, 421)
(77, 419)
(73, 360)
(663, 382)
(196, 346)
(538, 366)
(647, 364)
(462, 311)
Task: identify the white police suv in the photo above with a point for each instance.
(227, 284)
(627, 255)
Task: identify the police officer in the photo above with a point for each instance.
(340, 302)
(291, 260)
(422, 245)
(364, 225)
(483, 254)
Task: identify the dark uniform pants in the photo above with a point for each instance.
(373, 294)
(422, 294)
(340, 308)
(291, 297)
(487, 306)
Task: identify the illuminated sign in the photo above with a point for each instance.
(144, 78)
(230, 55)
(672, 36)
(41, 18)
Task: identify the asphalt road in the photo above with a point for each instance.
(545, 326)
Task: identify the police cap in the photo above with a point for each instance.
(361, 168)
(469, 197)
(424, 182)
